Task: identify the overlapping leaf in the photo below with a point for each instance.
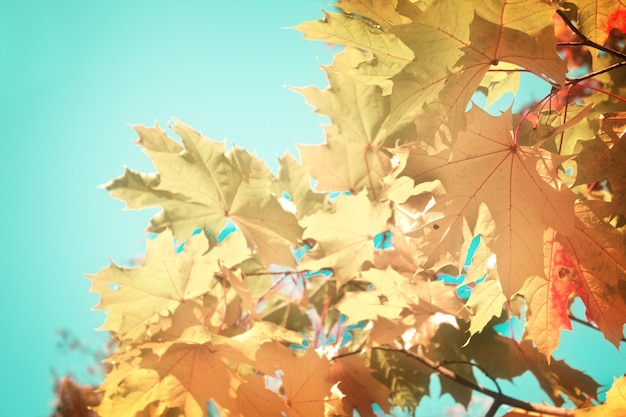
(186, 321)
(594, 17)
(615, 402)
(352, 158)
(359, 387)
(589, 263)
(517, 185)
(182, 374)
(139, 298)
(304, 379)
(294, 181)
(198, 186)
(452, 57)
(395, 296)
(382, 13)
(555, 377)
(345, 236)
(390, 53)
(599, 160)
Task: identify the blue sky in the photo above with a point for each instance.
(75, 76)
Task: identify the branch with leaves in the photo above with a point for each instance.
(432, 221)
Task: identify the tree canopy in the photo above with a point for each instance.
(429, 221)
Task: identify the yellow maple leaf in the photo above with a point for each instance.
(595, 16)
(199, 187)
(383, 13)
(184, 375)
(138, 298)
(345, 236)
(352, 157)
(390, 53)
(453, 55)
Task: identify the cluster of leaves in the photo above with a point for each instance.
(279, 297)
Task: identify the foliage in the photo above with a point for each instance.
(268, 296)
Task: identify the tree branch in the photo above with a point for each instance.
(586, 41)
(586, 323)
(499, 399)
(576, 80)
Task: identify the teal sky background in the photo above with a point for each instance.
(74, 76)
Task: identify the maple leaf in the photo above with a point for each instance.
(383, 13)
(409, 381)
(531, 17)
(304, 379)
(138, 298)
(403, 256)
(590, 263)
(487, 175)
(454, 55)
(390, 53)
(255, 400)
(294, 180)
(395, 295)
(595, 17)
(548, 297)
(182, 374)
(486, 299)
(504, 78)
(345, 236)
(352, 158)
(599, 160)
(598, 265)
(360, 389)
(199, 187)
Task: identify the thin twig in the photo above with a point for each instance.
(576, 80)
